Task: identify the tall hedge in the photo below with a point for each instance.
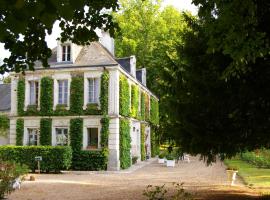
(143, 153)
(46, 131)
(124, 97)
(46, 96)
(19, 132)
(104, 93)
(154, 111)
(134, 101)
(20, 96)
(76, 94)
(125, 144)
(54, 159)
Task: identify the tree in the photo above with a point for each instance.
(24, 25)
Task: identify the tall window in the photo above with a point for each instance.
(92, 140)
(66, 53)
(93, 91)
(62, 92)
(33, 92)
(33, 136)
(61, 136)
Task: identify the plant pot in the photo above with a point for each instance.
(231, 176)
(170, 163)
(161, 160)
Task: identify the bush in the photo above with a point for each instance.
(9, 171)
(54, 159)
(260, 158)
(90, 160)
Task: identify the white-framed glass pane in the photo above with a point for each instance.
(33, 136)
(68, 53)
(63, 53)
(92, 139)
(61, 136)
(65, 91)
(91, 92)
(62, 91)
(33, 92)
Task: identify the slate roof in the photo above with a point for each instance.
(5, 97)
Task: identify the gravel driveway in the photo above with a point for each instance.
(205, 182)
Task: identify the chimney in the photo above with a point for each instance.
(133, 66)
(141, 75)
(107, 41)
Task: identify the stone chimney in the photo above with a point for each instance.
(107, 41)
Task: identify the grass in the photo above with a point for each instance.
(252, 176)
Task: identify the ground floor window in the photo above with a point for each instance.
(61, 136)
(92, 138)
(33, 136)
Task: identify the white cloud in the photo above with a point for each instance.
(182, 5)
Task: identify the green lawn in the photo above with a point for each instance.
(253, 176)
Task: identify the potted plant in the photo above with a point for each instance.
(231, 174)
(170, 160)
(161, 157)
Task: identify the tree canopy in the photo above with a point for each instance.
(24, 24)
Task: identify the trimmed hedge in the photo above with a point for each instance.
(20, 96)
(46, 96)
(90, 160)
(125, 146)
(143, 153)
(54, 159)
(76, 94)
(46, 131)
(19, 132)
(124, 97)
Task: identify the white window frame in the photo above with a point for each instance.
(95, 90)
(64, 92)
(87, 138)
(62, 130)
(28, 136)
(36, 88)
(65, 52)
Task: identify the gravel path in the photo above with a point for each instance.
(203, 181)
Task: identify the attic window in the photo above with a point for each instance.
(65, 52)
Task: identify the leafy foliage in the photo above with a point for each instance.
(4, 125)
(105, 122)
(124, 96)
(76, 134)
(154, 142)
(24, 25)
(76, 94)
(260, 158)
(104, 92)
(154, 111)
(45, 131)
(19, 132)
(142, 106)
(125, 146)
(46, 96)
(147, 107)
(8, 173)
(53, 158)
(143, 153)
(134, 101)
(20, 96)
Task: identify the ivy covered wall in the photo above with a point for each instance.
(147, 107)
(143, 153)
(20, 96)
(19, 132)
(125, 146)
(46, 131)
(4, 125)
(142, 106)
(46, 96)
(154, 111)
(76, 94)
(135, 101)
(124, 97)
(104, 93)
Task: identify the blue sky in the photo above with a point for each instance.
(51, 39)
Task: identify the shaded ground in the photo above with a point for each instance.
(204, 182)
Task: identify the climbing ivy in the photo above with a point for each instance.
(142, 106)
(147, 107)
(134, 101)
(46, 131)
(20, 96)
(76, 134)
(105, 121)
(104, 93)
(76, 94)
(46, 96)
(4, 125)
(154, 142)
(19, 132)
(124, 97)
(154, 111)
(143, 153)
(125, 146)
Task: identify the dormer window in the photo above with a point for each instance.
(65, 52)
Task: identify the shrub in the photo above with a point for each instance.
(260, 158)
(19, 132)
(45, 131)
(90, 160)
(9, 171)
(125, 146)
(53, 158)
